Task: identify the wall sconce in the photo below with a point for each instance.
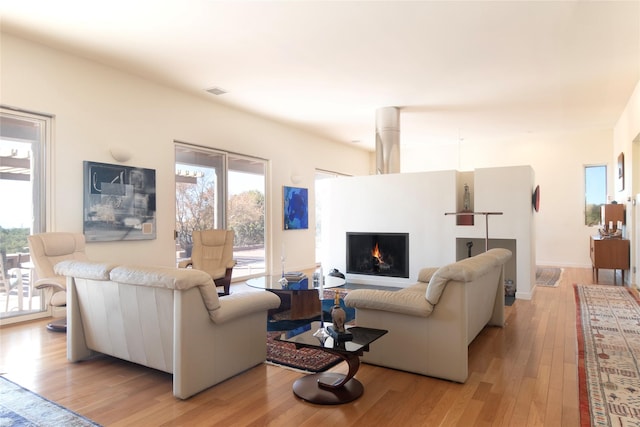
(295, 178)
(120, 154)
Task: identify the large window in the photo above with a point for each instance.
(23, 141)
(595, 180)
(216, 189)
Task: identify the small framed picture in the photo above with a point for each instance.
(620, 180)
(295, 208)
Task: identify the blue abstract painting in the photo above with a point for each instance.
(296, 208)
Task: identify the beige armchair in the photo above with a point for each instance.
(213, 253)
(48, 249)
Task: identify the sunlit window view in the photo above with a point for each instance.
(21, 140)
(218, 190)
(595, 178)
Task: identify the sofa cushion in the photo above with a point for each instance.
(408, 301)
(425, 274)
(84, 269)
(170, 278)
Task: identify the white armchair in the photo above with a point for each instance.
(48, 249)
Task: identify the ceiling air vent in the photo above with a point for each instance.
(216, 91)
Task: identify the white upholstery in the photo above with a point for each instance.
(48, 249)
(167, 319)
(212, 252)
(432, 324)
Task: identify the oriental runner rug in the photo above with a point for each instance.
(608, 333)
(21, 407)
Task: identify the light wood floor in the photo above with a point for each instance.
(523, 374)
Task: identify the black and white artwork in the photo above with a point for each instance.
(119, 202)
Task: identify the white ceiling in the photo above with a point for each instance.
(474, 70)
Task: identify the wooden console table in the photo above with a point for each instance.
(609, 254)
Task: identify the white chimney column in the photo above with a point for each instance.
(387, 140)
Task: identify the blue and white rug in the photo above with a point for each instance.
(21, 407)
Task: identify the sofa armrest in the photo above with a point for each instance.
(410, 303)
(240, 304)
(56, 283)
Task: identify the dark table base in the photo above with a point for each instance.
(308, 388)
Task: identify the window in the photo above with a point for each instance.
(216, 189)
(24, 138)
(595, 195)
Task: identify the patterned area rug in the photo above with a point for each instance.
(548, 276)
(608, 323)
(304, 359)
(21, 407)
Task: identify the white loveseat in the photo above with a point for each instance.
(164, 318)
(432, 322)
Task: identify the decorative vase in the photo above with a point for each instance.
(466, 200)
(338, 315)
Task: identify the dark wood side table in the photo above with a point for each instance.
(609, 254)
(332, 388)
(302, 303)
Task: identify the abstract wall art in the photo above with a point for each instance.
(296, 208)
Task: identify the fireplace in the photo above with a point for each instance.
(378, 254)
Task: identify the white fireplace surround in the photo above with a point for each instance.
(416, 203)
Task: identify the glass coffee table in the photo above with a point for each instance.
(301, 303)
(332, 388)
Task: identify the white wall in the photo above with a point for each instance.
(416, 203)
(558, 161)
(97, 107)
(509, 190)
(412, 203)
(626, 139)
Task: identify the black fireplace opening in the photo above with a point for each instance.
(378, 254)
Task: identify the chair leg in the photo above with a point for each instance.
(58, 325)
(225, 281)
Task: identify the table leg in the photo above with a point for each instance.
(354, 363)
(331, 388)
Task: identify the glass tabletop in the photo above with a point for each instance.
(272, 282)
(304, 336)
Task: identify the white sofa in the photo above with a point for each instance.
(432, 322)
(164, 318)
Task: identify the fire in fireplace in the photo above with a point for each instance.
(378, 254)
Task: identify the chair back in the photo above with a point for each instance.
(48, 249)
(212, 251)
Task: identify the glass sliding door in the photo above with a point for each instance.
(23, 140)
(199, 194)
(214, 190)
(246, 214)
